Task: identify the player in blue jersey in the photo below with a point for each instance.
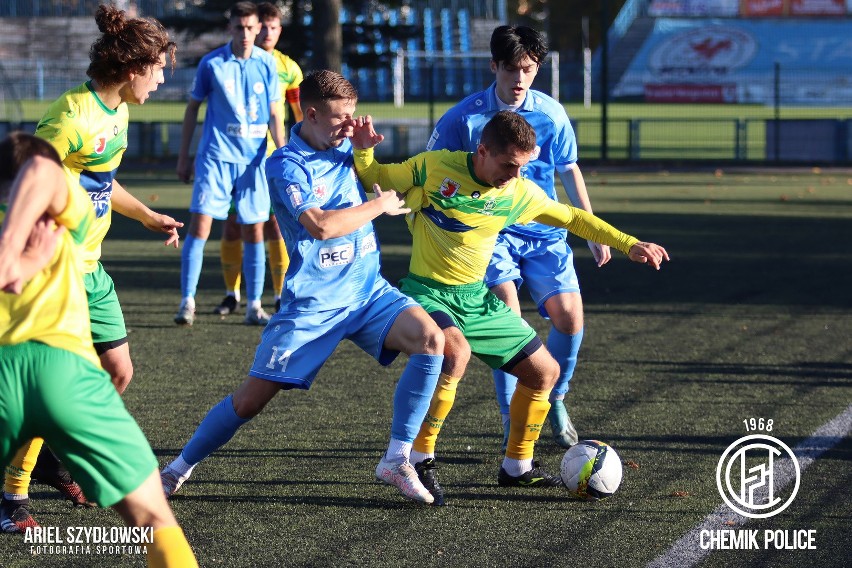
(240, 83)
(534, 254)
(333, 290)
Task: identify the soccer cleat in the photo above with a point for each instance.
(185, 314)
(256, 316)
(564, 432)
(427, 471)
(16, 516)
(536, 477)
(61, 480)
(229, 305)
(171, 480)
(404, 477)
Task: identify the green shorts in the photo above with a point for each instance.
(104, 310)
(495, 333)
(71, 403)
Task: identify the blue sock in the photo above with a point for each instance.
(564, 349)
(191, 258)
(219, 426)
(254, 268)
(504, 384)
(413, 395)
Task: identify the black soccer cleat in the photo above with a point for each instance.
(228, 306)
(60, 479)
(427, 471)
(536, 477)
(16, 516)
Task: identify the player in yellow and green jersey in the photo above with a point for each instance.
(460, 202)
(88, 128)
(231, 247)
(51, 381)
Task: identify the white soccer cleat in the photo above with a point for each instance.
(404, 477)
(171, 480)
(256, 316)
(186, 313)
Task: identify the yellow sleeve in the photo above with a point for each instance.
(586, 226)
(399, 177)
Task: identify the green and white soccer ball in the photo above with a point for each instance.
(591, 470)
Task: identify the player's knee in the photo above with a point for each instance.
(569, 322)
(432, 341)
(550, 372)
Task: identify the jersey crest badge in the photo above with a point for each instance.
(321, 193)
(449, 188)
(100, 144)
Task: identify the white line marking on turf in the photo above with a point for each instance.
(686, 551)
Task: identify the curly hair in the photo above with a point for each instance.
(127, 45)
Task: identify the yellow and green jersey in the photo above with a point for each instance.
(53, 308)
(289, 78)
(456, 217)
(91, 139)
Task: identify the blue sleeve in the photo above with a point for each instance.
(201, 83)
(564, 143)
(292, 186)
(446, 135)
(272, 84)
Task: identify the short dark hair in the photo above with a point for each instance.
(243, 10)
(268, 11)
(507, 129)
(509, 44)
(324, 85)
(15, 150)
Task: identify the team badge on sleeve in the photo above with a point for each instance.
(295, 195)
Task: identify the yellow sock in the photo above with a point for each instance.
(439, 408)
(231, 253)
(278, 263)
(170, 550)
(22, 465)
(527, 413)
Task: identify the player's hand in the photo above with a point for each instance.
(160, 223)
(601, 253)
(184, 169)
(648, 253)
(41, 244)
(364, 134)
(392, 202)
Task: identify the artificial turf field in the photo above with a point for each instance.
(752, 318)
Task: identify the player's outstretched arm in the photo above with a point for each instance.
(329, 224)
(648, 253)
(129, 206)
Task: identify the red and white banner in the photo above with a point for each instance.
(763, 7)
(817, 7)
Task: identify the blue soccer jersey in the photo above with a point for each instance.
(238, 94)
(323, 274)
(556, 146)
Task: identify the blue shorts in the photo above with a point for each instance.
(295, 344)
(546, 265)
(217, 183)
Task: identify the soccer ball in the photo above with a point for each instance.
(591, 470)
